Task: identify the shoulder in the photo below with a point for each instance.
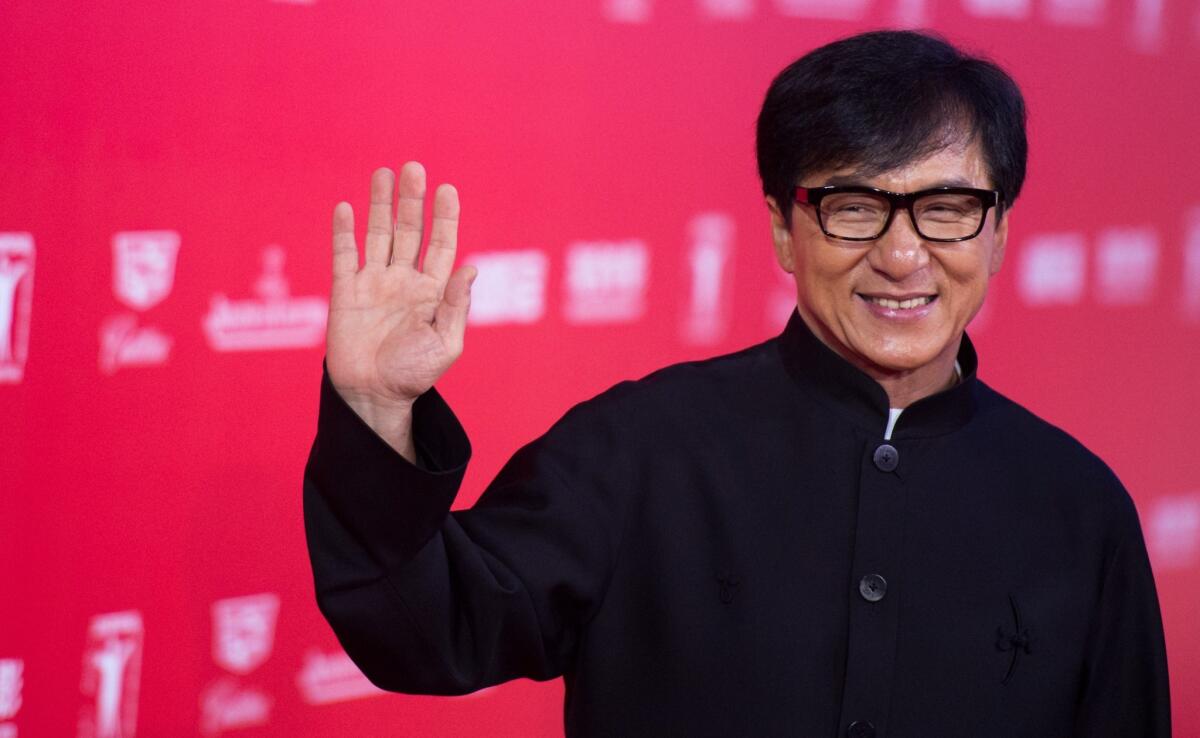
(1047, 457)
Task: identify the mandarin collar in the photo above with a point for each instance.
(863, 401)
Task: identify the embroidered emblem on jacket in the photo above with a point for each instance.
(728, 585)
(1017, 640)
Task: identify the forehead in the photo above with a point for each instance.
(956, 165)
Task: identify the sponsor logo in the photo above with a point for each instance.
(112, 662)
(1074, 12)
(10, 687)
(143, 275)
(1126, 265)
(226, 704)
(625, 11)
(243, 638)
(332, 677)
(706, 319)
(244, 631)
(272, 320)
(1053, 269)
(911, 13)
(727, 9)
(144, 267)
(1173, 531)
(843, 10)
(16, 303)
(1191, 267)
(510, 288)
(1010, 9)
(1147, 27)
(606, 281)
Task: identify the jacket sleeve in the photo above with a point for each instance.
(429, 601)
(1125, 689)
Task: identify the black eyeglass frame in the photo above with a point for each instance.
(899, 200)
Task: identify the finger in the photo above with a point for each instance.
(379, 218)
(450, 320)
(410, 215)
(345, 251)
(443, 235)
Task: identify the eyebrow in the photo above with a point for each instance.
(858, 181)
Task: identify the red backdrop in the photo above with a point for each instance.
(167, 173)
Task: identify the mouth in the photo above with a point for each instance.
(899, 302)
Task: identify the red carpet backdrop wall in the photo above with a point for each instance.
(167, 174)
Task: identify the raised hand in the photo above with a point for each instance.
(395, 326)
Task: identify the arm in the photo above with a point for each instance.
(1126, 690)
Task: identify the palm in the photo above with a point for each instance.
(395, 329)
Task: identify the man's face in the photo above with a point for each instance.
(839, 283)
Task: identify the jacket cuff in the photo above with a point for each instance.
(392, 506)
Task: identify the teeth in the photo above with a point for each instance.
(901, 304)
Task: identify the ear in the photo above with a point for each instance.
(782, 236)
(998, 243)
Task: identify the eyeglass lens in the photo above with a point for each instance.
(939, 215)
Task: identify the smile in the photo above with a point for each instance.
(906, 304)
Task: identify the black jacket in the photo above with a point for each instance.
(729, 548)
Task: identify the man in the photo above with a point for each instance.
(838, 532)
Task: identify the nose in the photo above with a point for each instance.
(900, 252)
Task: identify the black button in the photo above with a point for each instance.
(872, 587)
(860, 729)
(887, 457)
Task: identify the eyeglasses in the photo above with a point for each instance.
(853, 213)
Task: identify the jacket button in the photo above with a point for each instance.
(872, 587)
(886, 458)
(860, 729)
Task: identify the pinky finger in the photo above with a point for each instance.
(345, 251)
(450, 321)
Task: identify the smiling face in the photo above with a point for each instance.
(897, 305)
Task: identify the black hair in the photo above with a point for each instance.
(879, 100)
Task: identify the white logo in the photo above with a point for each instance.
(143, 275)
(706, 319)
(1074, 12)
(1147, 28)
(10, 687)
(112, 663)
(625, 11)
(16, 301)
(911, 13)
(225, 705)
(1053, 269)
(1173, 531)
(727, 9)
(1126, 265)
(332, 677)
(1012, 9)
(510, 288)
(842, 10)
(606, 281)
(244, 631)
(274, 320)
(144, 267)
(1191, 267)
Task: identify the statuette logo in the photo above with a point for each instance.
(16, 301)
(10, 687)
(112, 662)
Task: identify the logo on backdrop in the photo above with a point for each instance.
(606, 281)
(1053, 269)
(143, 275)
(272, 320)
(1126, 265)
(1173, 531)
(16, 302)
(243, 637)
(1191, 268)
(709, 255)
(112, 664)
(332, 677)
(10, 694)
(511, 287)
